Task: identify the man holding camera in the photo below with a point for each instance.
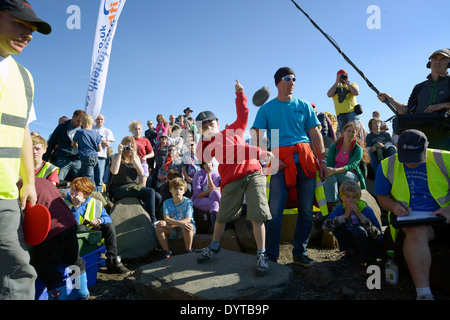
(344, 97)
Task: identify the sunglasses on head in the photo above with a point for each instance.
(287, 79)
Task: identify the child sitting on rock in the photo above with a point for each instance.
(178, 220)
(354, 225)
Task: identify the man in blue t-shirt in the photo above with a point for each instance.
(427, 180)
(290, 122)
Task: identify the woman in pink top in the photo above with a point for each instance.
(343, 163)
(161, 127)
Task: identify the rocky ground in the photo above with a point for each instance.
(330, 279)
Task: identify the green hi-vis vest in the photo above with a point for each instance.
(438, 168)
(46, 170)
(319, 194)
(16, 98)
(93, 211)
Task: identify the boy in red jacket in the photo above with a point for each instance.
(241, 174)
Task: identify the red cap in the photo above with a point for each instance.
(342, 71)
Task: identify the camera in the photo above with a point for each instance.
(344, 76)
(126, 148)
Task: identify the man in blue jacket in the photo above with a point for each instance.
(60, 142)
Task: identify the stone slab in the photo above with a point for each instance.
(135, 233)
(229, 275)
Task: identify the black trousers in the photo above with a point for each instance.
(61, 249)
(109, 235)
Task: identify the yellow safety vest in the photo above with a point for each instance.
(438, 168)
(319, 194)
(16, 97)
(93, 210)
(46, 170)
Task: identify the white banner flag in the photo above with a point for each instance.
(108, 17)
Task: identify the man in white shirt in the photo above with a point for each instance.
(107, 137)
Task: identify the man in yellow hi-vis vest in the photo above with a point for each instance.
(17, 23)
(416, 179)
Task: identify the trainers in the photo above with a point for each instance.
(262, 265)
(305, 261)
(165, 255)
(207, 254)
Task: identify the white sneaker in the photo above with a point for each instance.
(207, 254)
(262, 265)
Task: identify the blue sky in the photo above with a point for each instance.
(168, 55)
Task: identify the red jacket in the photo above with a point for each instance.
(306, 158)
(236, 158)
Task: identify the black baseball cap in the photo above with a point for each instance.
(412, 146)
(23, 10)
(205, 116)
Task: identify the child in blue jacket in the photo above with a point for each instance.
(355, 225)
(90, 214)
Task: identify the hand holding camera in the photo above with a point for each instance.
(342, 78)
(124, 148)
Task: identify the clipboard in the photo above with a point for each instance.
(418, 218)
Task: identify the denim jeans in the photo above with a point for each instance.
(66, 166)
(87, 166)
(331, 184)
(374, 162)
(99, 172)
(343, 118)
(150, 197)
(277, 200)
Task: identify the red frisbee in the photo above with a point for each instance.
(36, 224)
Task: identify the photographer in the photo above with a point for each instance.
(344, 97)
(126, 168)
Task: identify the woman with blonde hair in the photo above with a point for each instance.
(144, 149)
(126, 168)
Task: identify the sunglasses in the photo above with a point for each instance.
(287, 79)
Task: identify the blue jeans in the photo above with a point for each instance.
(87, 166)
(277, 200)
(343, 118)
(66, 166)
(150, 197)
(99, 172)
(374, 162)
(331, 184)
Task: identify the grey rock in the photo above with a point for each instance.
(228, 276)
(135, 232)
